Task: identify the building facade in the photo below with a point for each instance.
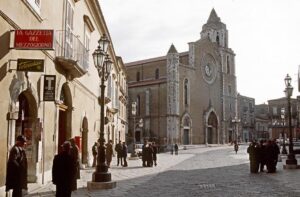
(262, 121)
(70, 108)
(279, 118)
(246, 106)
(188, 97)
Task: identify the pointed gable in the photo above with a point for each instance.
(172, 49)
(213, 17)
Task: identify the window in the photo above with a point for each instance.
(218, 39)
(35, 4)
(228, 65)
(138, 76)
(275, 111)
(186, 91)
(157, 73)
(69, 30)
(138, 105)
(87, 35)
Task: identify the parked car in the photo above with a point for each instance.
(139, 149)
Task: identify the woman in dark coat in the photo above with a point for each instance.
(125, 150)
(63, 171)
(74, 152)
(16, 176)
(253, 151)
(154, 148)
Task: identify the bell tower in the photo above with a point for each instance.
(215, 30)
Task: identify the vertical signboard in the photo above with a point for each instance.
(49, 87)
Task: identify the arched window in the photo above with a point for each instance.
(218, 39)
(138, 105)
(157, 73)
(228, 65)
(186, 91)
(138, 76)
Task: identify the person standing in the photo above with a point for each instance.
(119, 151)
(95, 152)
(16, 174)
(144, 153)
(64, 171)
(253, 151)
(124, 151)
(176, 149)
(154, 148)
(74, 151)
(109, 153)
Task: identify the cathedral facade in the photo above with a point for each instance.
(188, 97)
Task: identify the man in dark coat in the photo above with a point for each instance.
(74, 152)
(109, 153)
(119, 151)
(253, 151)
(95, 152)
(16, 175)
(124, 150)
(63, 171)
(144, 153)
(154, 148)
(272, 151)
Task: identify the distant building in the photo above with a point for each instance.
(188, 97)
(262, 121)
(278, 117)
(246, 106)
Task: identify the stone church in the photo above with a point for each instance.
(186, 97)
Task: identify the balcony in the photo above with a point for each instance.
(71, 56)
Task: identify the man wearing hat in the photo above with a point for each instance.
(63, 171)
(16, 175)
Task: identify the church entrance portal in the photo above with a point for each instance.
(212, 129)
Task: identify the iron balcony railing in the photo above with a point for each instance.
(70, 47)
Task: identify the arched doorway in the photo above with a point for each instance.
(84, 148)
(65, 116)
(186, 130)
(212, 129)
(28, 124)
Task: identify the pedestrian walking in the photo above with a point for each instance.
(176, 149)
(252, 150)
(236, 147)
(74, 151)
(109, 153)
(172, 149)
(144, 153)
(154, 148)
(124, 150)
(64, 171)
(119, 150)
(95, 152)
(16, 174)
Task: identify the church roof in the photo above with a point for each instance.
(172, 49)
(213, 17)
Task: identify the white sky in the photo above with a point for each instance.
(264, 34)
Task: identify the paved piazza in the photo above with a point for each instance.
(197, 171)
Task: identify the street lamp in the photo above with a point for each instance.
(283, 133)
(103, 64)
(291, 160)
(133, 112)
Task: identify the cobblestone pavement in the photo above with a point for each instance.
(197, 171)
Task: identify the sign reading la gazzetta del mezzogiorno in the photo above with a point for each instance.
(34, 39)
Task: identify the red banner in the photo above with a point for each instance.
(33, 39)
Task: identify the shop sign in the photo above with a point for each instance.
(30, 65)
(49, 87)
(33, 39)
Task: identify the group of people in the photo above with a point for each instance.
(149, 152)
(174, 148)
(121, 149)
(263, 153)
(65, 169)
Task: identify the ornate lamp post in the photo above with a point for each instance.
(291, 160)
(133, 112)
(283, 133)
(103, 65)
